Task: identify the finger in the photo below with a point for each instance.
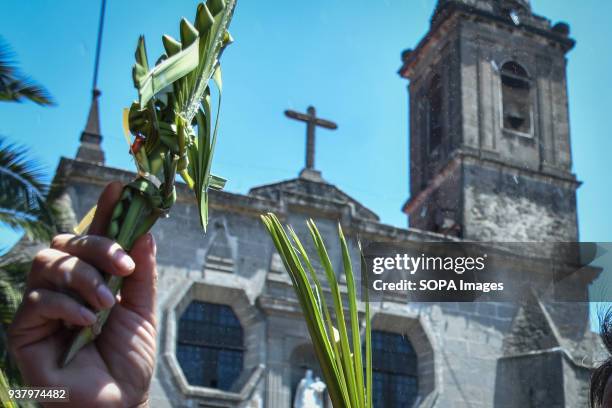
(106, 204)
(41, 305)
(139, 288)
(99, 251)
(53, 269)
(40, 315)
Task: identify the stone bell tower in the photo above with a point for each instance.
(490, 155)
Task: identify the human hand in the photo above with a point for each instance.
(116, 369)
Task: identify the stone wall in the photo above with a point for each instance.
(458, 345)
(511, 205)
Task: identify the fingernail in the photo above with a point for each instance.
(123, 261)
(87, 315)
(105, 296)
(152, 244)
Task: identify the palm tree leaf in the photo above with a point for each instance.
(23, 193)
(7, 67)
(12, 284)
(4, 393)
(15, 161)
(25, 88)
(15, 87)
(29, 223)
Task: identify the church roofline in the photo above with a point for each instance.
(558, 33)
(98, 174)
(319, 190)
(70, 170)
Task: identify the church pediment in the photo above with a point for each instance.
(310, 191)
(313, 193)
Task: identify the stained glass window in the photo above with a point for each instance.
(210, 345)
(394, 371)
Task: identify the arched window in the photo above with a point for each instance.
(394, 371)
(516, 98)
(209, 346)
(434, 113)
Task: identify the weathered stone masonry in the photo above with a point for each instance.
(470, 178)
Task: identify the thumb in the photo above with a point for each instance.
(140, 288)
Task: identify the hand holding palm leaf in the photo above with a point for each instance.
(173, 133)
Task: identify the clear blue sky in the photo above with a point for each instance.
(339, 55)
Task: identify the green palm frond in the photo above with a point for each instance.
(22, 193)
(337, 342)
(12, 284)
(16, 160)
(178, 87)
(174, 132)
(7, 402)
(27, 222)
(14, 86)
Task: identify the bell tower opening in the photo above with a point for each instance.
(516, 98)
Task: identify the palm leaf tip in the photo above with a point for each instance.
(179, 83)
(340, 358)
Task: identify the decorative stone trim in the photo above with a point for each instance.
(232, 294)
(413, 327)
(221, 398)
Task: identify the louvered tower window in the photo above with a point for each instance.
(516, 98)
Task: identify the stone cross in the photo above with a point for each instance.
(311, 122)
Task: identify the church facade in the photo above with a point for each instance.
(490, 160)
